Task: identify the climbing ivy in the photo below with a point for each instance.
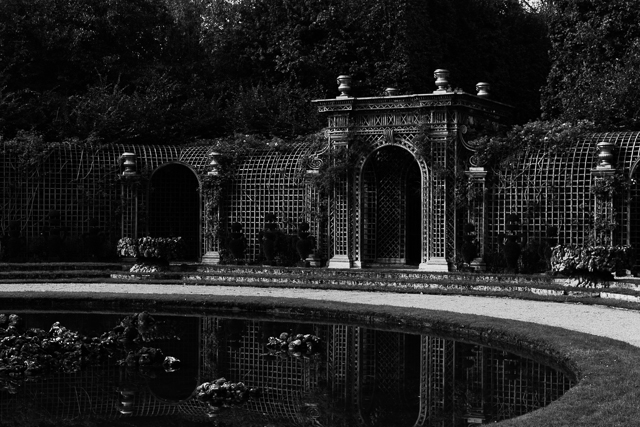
(504, 150)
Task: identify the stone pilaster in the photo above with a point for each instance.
(476, 213)
(340, 221)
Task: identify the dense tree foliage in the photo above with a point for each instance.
(171, 71)
(383, 43)
(595, 55)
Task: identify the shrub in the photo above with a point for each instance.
(593, 259)
(166, 248)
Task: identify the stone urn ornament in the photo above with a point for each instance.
(344, 86)
(483, 89)
(442, 82)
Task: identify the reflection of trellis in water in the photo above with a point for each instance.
(209, 349)
(284, 382)
(83, 394)
(93, 392)
(439, 364)
(369, 371)
(521, 385)
(338, 359)
(382, 376)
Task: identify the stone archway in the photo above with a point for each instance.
(174, 206)
(391, 206)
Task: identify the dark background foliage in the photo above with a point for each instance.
(595, 54)
(171, 71)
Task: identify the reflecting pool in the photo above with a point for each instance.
(350, 376)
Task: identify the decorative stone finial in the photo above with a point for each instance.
(214, 166)
(483, 89)
(441, 77)
(391, 91)
(344, 86)
(129, 164)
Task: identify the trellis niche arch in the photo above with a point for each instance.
(175, 205)
(392, 182)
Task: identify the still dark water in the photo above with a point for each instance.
(358, 376)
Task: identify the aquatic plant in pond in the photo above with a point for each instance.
(220, 394)
(29, 354)
(293, 345)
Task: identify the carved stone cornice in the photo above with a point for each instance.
(471, 102)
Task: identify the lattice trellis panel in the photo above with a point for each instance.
(555, 190)
(81, 184)
(270, 181)
(384, 207)
(545, 191)
(72, 181)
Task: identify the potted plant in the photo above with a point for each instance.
(93, 239)
(127, 247)
(511, 246)
(551, 240)
(268, 237)
(237, 242)
(12, 243)
(152, 253)
(304, 245)
(469, 244)
(55, 236)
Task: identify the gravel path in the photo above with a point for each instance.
(623, 325)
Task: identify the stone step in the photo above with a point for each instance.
(370, 274)
(40, 275)
(627, 289)
(60, 266)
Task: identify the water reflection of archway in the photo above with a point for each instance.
(391, 208)
(174, 205)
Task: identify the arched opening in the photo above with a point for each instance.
(174, 206)
(391, 208)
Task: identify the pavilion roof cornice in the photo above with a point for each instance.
(416, 101)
